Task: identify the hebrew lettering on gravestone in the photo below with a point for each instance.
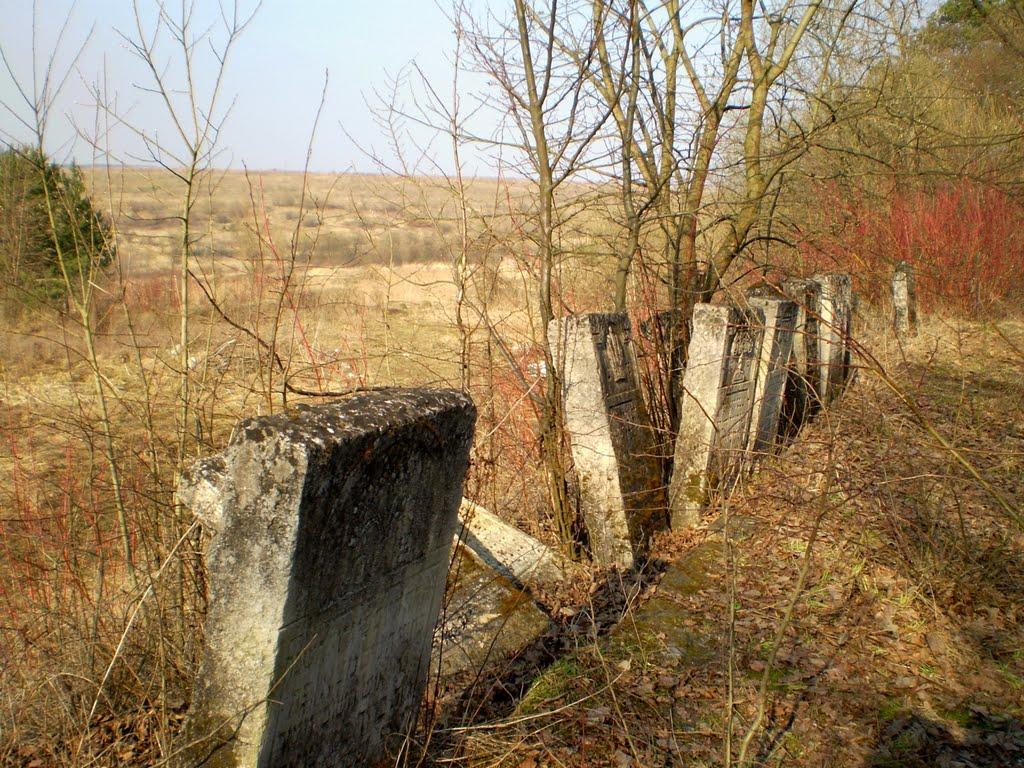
(904, 300)
(333, 530)
(718, 397)
(614, 448)
(772, 371)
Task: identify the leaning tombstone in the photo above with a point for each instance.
(803, 389)
(904, 300)
(718, 397)
(834, 320)
(332, 529)
(772, 371)
(614, 448)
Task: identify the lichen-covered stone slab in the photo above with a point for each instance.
(333, 530)
(614, 449)
(663, 631)
(718, 396)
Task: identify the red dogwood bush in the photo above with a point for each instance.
(964, 239)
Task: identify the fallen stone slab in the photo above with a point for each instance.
(515, 555)
(487, 619)
(663, 628)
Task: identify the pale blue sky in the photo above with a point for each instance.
(276, 73)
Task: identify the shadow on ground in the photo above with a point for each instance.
(984, 740)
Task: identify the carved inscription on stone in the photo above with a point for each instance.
(737, 397)
(615, 359)
(715, 414)
(613, 444)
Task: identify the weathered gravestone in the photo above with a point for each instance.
(614, 448)
(803, 388)
(904, 300)
(333, 530)
(772, 371)
(835, 318)
(718, 397)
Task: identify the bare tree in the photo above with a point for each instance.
(553, 121)
(197, 112)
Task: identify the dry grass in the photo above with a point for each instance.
(342, 220)
(97, 668)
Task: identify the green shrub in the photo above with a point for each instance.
(51, 236)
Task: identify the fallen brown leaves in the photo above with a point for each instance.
(906, 646)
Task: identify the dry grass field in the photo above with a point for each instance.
(906, 617)
(300, 286)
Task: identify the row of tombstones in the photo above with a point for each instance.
(333, 525)
(753, 375)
